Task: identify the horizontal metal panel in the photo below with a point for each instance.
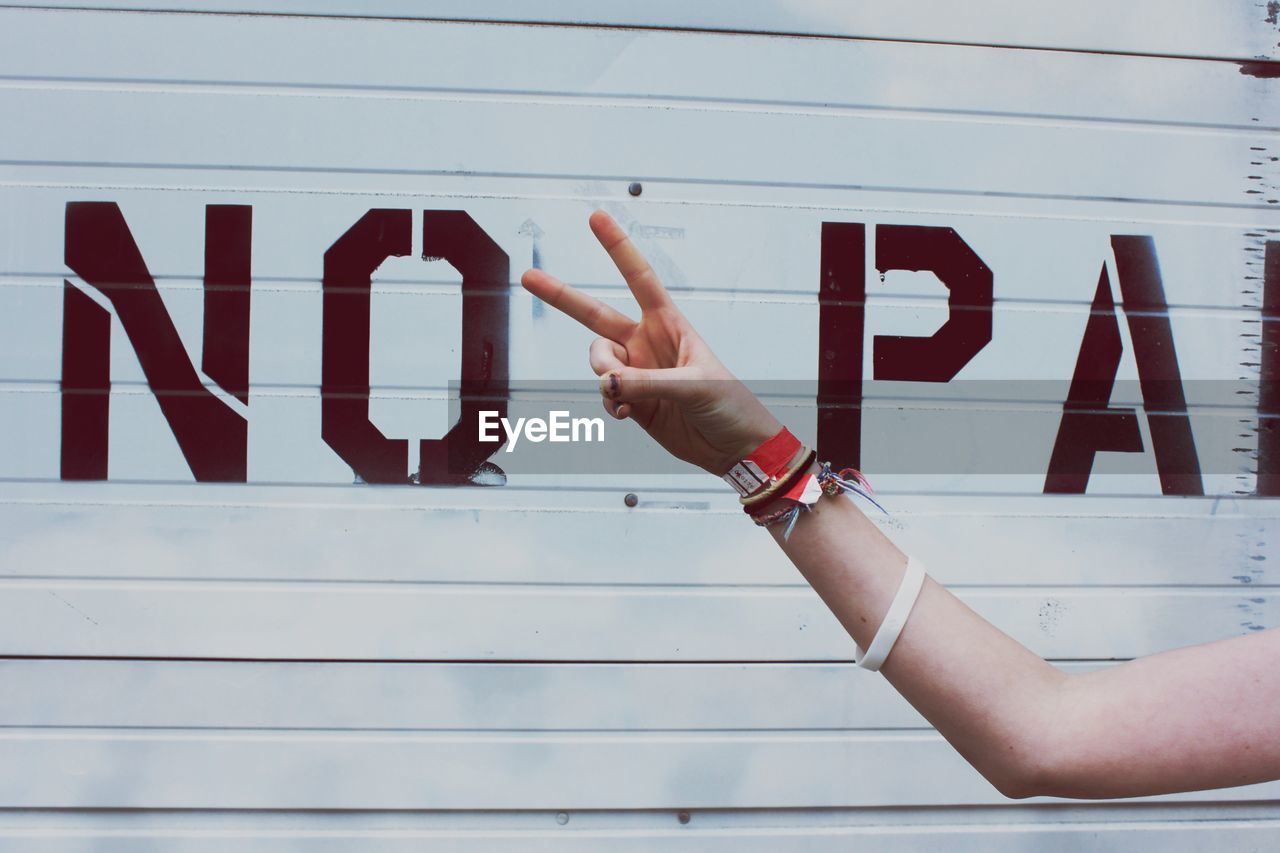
(295, 131)
(377, 621)
(346, 770)
(908, 447)
(698, 538)
(415, 341)
(372, 56)
(578, 697)
(964, 830)
(1187, 27)
(122, 724)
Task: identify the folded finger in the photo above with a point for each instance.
(615, 409)
(606, 355)
(587, 310)
(679, 384)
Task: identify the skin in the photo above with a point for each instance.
(1205, 716)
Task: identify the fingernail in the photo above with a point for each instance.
(615, 385)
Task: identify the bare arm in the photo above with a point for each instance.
(1199, 717)
(1205, 716)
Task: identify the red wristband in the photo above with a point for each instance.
(764, 464)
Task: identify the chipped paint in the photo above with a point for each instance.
(534, 232)
(671, 274)
(656, 232)
(1261, 68)
(1050, 615)
(1253, 610)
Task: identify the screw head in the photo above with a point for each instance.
(631, 499)
(635, 188)
(562, 818)
(683, 817)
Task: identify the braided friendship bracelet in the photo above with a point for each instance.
(778, 471)
(806, 491)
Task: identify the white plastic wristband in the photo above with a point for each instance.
(891, 627)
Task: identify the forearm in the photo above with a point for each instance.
(990, 697)
(1193, 718)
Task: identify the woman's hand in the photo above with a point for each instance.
(658, 371)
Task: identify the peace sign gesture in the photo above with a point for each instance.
(658, 371)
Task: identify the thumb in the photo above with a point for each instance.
(681, 385)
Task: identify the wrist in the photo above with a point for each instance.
(755, 423)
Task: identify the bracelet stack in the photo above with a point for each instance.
(775, 483)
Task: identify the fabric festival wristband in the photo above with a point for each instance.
(891, 627)
(763, 464)
(799, 491)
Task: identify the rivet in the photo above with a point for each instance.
(562, 818)
(631, 499)
(683, 817)
(635, 188)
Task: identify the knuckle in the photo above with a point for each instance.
(610, 385)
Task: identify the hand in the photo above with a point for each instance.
(658, 371)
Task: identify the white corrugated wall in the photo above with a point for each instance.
(303, 662)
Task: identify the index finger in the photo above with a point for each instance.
(641, 278)
(587, 310)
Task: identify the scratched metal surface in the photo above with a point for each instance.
(537, 663)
